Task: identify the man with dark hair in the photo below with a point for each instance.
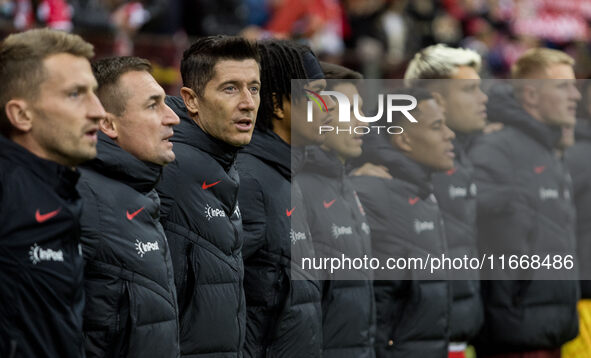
(405, 222)
(200, 212)
(525, 207)
(339, 227)
(50, 119)
(284, 318)
(131, 307)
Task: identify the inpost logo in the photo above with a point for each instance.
(402, 103)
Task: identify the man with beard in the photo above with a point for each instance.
(283, 301)
(524, 207)
(49, 123)
(452, 75)
(405, 222)
(131, 307)
(199, 192)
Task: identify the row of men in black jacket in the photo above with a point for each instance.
(214, 278)
(125, 258)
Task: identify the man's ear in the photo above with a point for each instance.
(277, 110)
(529, 95)
(19, 115)
(108, 125)
(439, 99)
(402, 142)
(190, 99)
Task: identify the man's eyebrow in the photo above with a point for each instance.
(236, 82)
(79, 86)
(472, 83)
(154, 97)
(228, 82)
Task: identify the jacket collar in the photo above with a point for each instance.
(188, 132)
(298, 159)
(116, 163)
(325, 163)
(583, 130)
(61, 178)
(271, 149)
(503, 107)
(378, 151)
(462, 143)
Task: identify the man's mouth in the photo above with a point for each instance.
(357, 138)
(482, 113)
(572, 109)
(243, 124)
(92, 134)
(450, 152)
(167, 138)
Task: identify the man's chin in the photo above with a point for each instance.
(167, 159)
(568, 120)
(240, 141)
(444, 165)
(80, 158)
(85, 155)
(318, 140)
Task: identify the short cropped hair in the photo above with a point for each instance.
(341, 75)
(536, 60)
(107, 72)
(281, 61)
(199, 60)
(440, 62)
(21, 63)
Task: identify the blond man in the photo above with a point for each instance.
(49, 124)
(525, 207)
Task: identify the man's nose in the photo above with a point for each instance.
(96, 111)
(247, 101)
(170, 118)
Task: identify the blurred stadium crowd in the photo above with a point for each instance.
(376, 37)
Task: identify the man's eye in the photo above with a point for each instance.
(152, 106)
(254, 90)
(230, 89)
(74, 94)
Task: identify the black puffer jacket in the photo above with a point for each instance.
(284, 318)
(41, 264)
(412, 315)
(131, 308)
(455, 191)
(524, 207)
(577, 159)
(202, 222)
(338, 225)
